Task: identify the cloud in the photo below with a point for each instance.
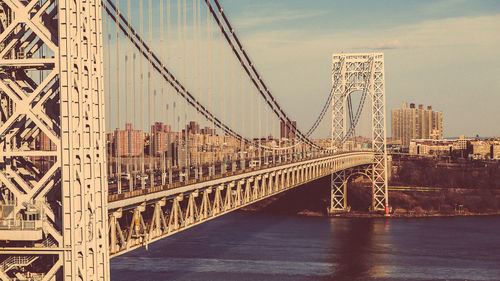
(461, 32)
(450, 63)
(383, 45)
(264, 18)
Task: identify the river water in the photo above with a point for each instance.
(252, 246)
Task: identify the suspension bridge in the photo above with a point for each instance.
(124, 122)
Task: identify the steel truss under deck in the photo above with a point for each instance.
(136, 220)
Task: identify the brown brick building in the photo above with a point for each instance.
(128, 142)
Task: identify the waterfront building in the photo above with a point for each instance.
(415, 123)
(481, 150)
(496, 151)
(461, 143)
(430, 147)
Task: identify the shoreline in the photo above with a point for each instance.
(307, 213)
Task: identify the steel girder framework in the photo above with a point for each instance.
(136, 221)
(360, 72)
(53, 170)
(340, 179)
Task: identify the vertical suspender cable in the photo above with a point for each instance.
(134, 107)
(266, 135)
(276, 137)
(150, 93)
(252, 128)
(186, 107)
(200, 86)
(260, 127)
(179, 42)
(233, 121)
(161, 112)
(195, 87)
(129, 77)
(223, 97)
(211, 85)
(141, 90)
(184, 70)
(118, 142)
(242, 95)
(163, 141)
(135, 140)
(127, 141)
(110, 150)
(166, 93)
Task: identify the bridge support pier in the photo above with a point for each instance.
(339, 184)
(338, 198)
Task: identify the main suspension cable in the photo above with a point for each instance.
(266, 94)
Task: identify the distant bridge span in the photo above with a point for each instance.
(143, 216)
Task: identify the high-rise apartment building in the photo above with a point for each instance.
(193, 127)
(128, 142)
(160, 138)
(416, 123)
(208, 131)
(288, 130)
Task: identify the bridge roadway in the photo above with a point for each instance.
(139, 217)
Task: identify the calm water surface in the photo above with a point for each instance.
(246, 246)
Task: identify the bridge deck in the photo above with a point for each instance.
(156, 213)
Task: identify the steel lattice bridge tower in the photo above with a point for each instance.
(70, 199)
(365, 73)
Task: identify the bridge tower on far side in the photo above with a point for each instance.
(53, 183)
(359, 72)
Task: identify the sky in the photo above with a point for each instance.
(444, 53)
